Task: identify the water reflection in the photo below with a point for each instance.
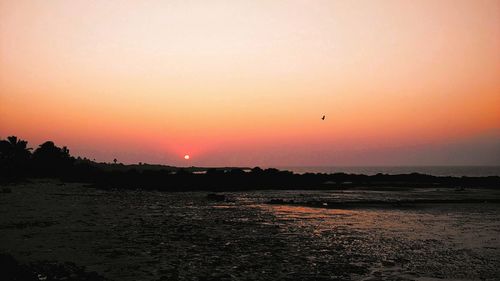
(444, 242)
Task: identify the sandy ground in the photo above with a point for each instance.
(143, 235)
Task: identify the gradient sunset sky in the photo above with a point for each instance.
(246, 82)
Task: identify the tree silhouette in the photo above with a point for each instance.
(14, 156)
(52, 160)
(14, 148)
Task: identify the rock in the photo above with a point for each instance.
(276, 201)
(216, 197)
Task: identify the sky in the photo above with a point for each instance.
(237, 82)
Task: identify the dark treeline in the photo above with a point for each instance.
(18, 162)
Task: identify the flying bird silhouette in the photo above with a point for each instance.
(323, 118)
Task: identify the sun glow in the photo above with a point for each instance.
(245, 83)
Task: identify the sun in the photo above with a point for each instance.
(186, 156)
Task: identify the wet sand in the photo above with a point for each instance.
(146, 235)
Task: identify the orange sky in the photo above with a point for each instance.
(246, 82)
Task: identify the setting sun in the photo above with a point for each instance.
(400, 82)
(186, 157)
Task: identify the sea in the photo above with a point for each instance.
(455, 171)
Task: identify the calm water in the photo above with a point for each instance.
(471, 171)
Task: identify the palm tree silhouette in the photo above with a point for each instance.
(14, 149)
(14, 156)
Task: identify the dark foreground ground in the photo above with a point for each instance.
(56, 231)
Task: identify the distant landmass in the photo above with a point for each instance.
(437, 170)
(18, 162)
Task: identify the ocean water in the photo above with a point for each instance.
(457, 171)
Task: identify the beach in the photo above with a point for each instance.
(151, 235)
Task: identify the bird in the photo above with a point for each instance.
(323, 118)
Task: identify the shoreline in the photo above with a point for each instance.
(270, 179)
(380, 204)
(143, 234)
